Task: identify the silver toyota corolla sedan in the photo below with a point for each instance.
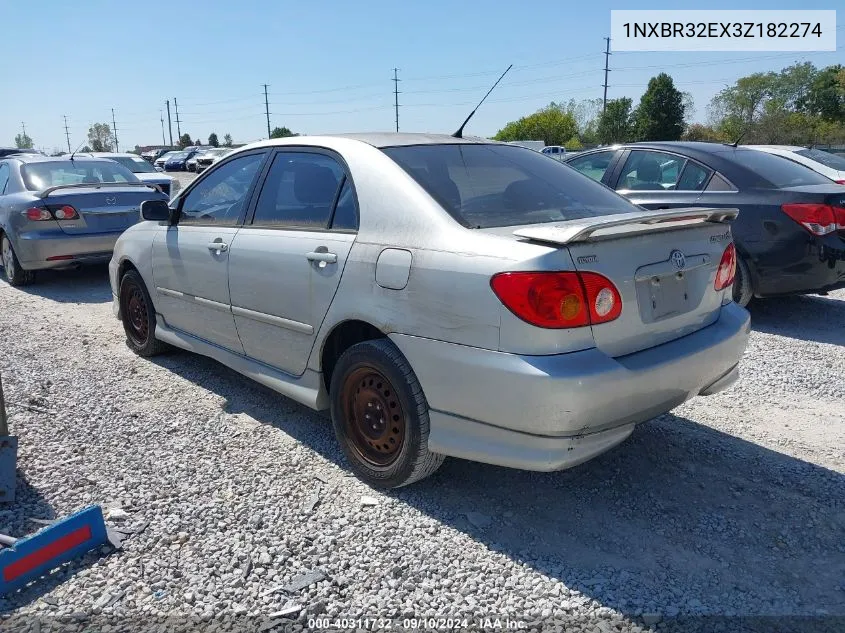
(442, 296)
(57, 212)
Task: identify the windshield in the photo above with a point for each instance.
(484, 186)
(135, 165)
(777, 170)
(825, 158)
(177, 156)
(38, 176)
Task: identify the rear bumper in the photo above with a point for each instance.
(821, 266)
(552, 412)
(35, 249)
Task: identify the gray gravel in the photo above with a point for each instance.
(242, 507)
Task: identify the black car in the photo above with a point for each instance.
(790, 233)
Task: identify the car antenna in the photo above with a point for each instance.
(459, 133)
(736, 142)
(76, 150)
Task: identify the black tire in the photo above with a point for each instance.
(395, 453)
(15, 275)
(138, 316)
(743, 291)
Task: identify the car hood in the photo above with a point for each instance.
(154, 178)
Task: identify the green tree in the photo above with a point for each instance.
(281, 132)
(86, 150)
(23, 141)
(701, 132)
(227, 140)
(573, 144)
(616, 123)
(212, 140)
(660, 115)
(185, 141)
(826, 96)
(551, 125)
(100, 137)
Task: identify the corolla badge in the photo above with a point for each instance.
(111, 200)
(678, 259)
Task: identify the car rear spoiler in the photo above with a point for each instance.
(582, 230)
(97, 185)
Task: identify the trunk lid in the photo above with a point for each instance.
(101, 210)
(663, 263)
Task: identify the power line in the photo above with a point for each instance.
(114, 131)
(396, 81)
(267, 110)
(67, 133)
(606, 70)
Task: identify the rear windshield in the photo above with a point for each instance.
(484, 186)
(135, 165)
(39, 176)
(825, 158)
(777, 170)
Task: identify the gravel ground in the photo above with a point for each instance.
(732, 505)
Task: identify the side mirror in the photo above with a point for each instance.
(155, 210)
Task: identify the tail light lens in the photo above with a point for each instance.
(65, 212)
(52, 211)
(839, 216)
(727, 268)
(839, 182)
(558, 299)
(818, 219)
(37, 214)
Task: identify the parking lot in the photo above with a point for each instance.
(228, 492)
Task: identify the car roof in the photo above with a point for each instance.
(111, 155)
(40, 158)
(379, 139)
(786, 148)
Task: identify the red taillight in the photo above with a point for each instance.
(727, 268)
(65, 212)
(839, 182)
(818, 219)
(56, 258)
(558, 299)
(37, 214)
(839, 216)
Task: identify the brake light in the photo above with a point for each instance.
(818, 219)
(37, 214)
(65, 212)
(839, 216)
(839, 182)
(558, 299)
(727, 268)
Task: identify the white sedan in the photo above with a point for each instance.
(825, 163)
(145, 172)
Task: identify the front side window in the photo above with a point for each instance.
(593, 165)
(220, 197)
(299, 191)
(489, 185)
(650, 171)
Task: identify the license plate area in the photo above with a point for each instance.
(663, 296)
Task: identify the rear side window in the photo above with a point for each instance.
(484, 186)
(776, 171)
(825, 158)
(4, 177)
(299, 191)
(593, 165)
(650, 171)
(693, 177)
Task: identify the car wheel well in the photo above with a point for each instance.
(124, 267)
(341, 338)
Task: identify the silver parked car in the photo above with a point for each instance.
(441, 296)
(143, 170)
(58, 212)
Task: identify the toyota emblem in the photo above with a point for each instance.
(678, 259)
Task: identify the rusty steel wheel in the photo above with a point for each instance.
(373, 415)
(380, 415)
(138, 316)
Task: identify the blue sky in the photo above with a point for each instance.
(329, 64)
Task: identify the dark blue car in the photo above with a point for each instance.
(178, 162)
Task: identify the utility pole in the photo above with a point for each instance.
(606, 70)
(178, 129)
(396, 81)
(23, 127)
(67, 134)
(161, 116)
(169, 124)
(267, 110)
(114, 131)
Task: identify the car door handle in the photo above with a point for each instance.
(218, 246)
(322, 257)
